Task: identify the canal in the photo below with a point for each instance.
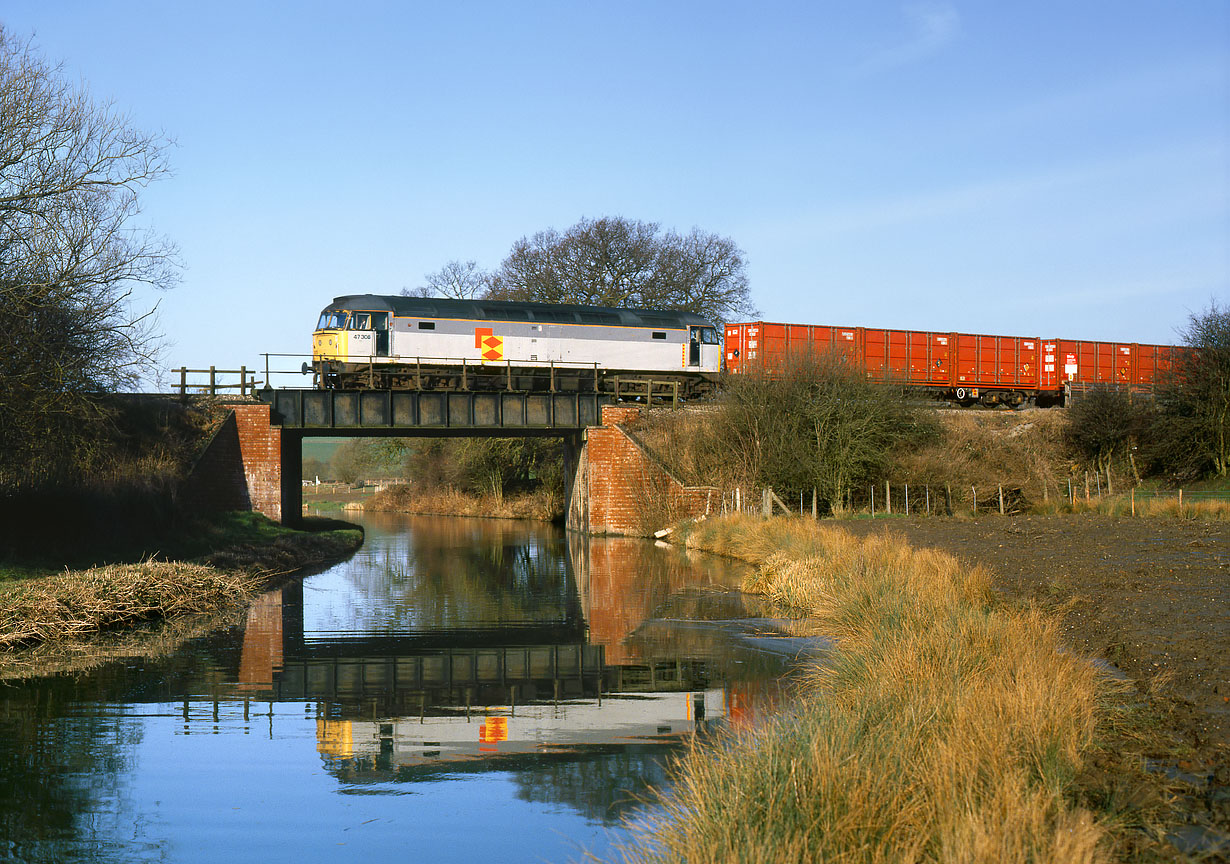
(459, 690)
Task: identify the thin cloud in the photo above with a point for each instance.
(931, 27)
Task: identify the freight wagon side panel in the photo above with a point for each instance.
(735, 347)
(1124, 357)
(1153, 364)
(1048, 379)
(1144, 366)
(997, 362)
(1068, 360)
(1028, 363)
(875, 352)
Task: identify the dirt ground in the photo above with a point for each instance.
(1151, 596)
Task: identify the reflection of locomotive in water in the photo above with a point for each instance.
(369, 341)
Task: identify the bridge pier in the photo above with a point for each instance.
(249, 464)
(613, 483)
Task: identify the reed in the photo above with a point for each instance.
(543, 504)
(943, 728)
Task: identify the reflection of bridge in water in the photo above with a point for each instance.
(614, 643)
(633, 618)
(441, 671)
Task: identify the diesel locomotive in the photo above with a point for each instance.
(370, 341)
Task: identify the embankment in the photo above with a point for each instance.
(947, 726)
(64, 614)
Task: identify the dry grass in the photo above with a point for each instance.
(1153, 506)
(79, 655)
(942, 729)
(75, 604)
(542, 505)
(689, 445)
(61, 617)
(987, 449)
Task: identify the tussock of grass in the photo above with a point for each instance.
(942, 729)
(542, 505)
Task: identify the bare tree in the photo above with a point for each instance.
(461, 280)
(1104, 424)
(71, 173)
(1191, 437)
(819, 424)
(614, 261)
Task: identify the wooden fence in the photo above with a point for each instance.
(246, 384)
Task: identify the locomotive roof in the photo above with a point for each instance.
(506, 310)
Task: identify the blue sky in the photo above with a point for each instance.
(1042, 168)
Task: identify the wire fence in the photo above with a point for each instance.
(922, 499)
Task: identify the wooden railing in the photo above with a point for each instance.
(246, 386)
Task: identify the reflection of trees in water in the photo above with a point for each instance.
(62, 775)
(453, 573)
(604, 783)
(604, 787)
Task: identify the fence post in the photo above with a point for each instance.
(243, 383)
(873, 500)
(974, 492)
(1071, 499)
(1133, 500)
(888, 498)
(907, 499)
(183, 380)
(947, 499)
(213, 389)
(813, 502)
(766, 503)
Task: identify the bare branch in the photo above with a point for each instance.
(71, 173)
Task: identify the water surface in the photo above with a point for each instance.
(459, 690)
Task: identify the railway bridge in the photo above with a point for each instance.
(254, 460)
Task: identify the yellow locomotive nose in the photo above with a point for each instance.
(327, 345)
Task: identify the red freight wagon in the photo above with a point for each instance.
(963, 367)
(1125, 364)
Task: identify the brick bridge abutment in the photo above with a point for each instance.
(615, 485)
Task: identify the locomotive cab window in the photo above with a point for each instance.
(332, 321)
(708, 335)
(361, 321)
